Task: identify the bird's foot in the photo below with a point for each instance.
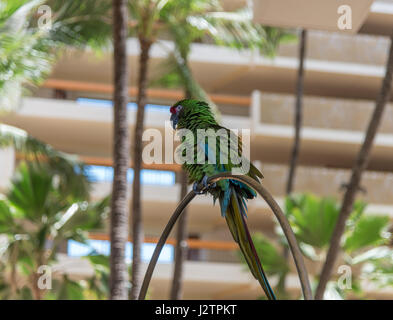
(205, 186)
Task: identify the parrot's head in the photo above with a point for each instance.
(185, 111)
(176, 110)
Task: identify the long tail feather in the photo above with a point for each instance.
(235, 217)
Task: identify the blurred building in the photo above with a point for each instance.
(344, 70)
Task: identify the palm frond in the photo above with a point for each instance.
(237, 30)
(24, 52)
(13, 14)
(200, 19)
(81, 23)
(70, 170)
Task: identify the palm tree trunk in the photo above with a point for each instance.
(137, 224)
(357, 170)
(296, 145)
(121, 154)
(298, 114)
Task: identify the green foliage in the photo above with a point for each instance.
(203, 20)
(28, 51)
(66, 289)
(170, 80)
(81, 23)
(67, 167)
(98, 284)
(274, 37)
(38, 213)
(380, 271)
(312, 218)
(364, 243)
(365, 232)
(376, 265)
(24, 51)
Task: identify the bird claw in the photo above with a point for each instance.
(206, 186)
(195, 188)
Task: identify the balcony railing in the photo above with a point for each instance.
(164, 94)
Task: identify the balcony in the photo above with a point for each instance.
(85, 128)
(324, 113)
(350, 74)
(329, 139)
(339, 47)
(309, 14)
(331, 136)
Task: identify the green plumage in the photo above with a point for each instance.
(232, 195)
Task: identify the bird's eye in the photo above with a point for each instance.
(175, 109)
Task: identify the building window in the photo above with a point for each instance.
(148, 177)
(77, 249)
(130, 105)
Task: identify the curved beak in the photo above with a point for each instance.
(174, 119)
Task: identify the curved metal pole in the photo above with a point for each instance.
(161, 242)
(295, 250)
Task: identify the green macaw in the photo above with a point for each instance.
(196, 117)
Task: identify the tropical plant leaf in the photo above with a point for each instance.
(24, 51)
(312, 218)
(99, 283)
(70, 170)
(29, 191)
(367, 231)
(81, 23)
(378, 253)
(6, 217)
(69, 290)
(379, 271)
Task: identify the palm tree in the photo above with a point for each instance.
(81, 24)
(359, 167)
(146, 13)
(28, 53)
(38, 214)
(24, 50)
(298, 113)
(298, 124)
(121, 156)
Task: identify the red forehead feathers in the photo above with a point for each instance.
(172, 110)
